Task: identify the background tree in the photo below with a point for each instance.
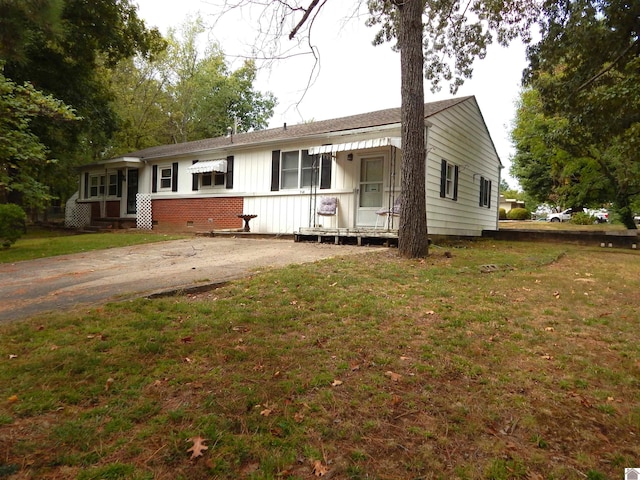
(586, 70)
(184, 94)
(436, 38)
(60, 49)
(23, 157)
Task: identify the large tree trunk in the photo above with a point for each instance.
(413, 241)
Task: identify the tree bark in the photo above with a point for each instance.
(413, 240)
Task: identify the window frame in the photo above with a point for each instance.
(100, 188)
(485, 193)
(215, 180)
(303, 171)
(449, 179)
(167, 179)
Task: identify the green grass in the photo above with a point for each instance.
(39, 243)
(372, 365)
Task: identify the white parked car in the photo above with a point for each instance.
(563, 216)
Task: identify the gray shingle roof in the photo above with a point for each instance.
(353, 122)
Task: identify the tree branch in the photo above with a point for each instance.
(304, 18)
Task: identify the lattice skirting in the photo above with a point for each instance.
(76, 215)
(144, 219)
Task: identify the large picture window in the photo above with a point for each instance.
(297, 169)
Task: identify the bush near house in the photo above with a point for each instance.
(12, 224)
(502, 214)
(583, 218)
(518, 214)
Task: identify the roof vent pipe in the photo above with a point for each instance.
(285, 126)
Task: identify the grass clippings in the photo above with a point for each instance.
(364, 367)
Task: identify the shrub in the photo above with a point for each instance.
(502, 215)
(518, 214)
(12, 224)
(583, 218)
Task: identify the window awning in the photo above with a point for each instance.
(360, 145)
(210, 166)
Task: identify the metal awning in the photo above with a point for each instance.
(209, 166)
(360, 145)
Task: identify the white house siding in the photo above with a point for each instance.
(459, 136)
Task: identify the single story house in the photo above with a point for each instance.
(510, 203)
(280, 176)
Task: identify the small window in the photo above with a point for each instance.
(113, 184)
(290, 169)
(96, 185)
(449, 180)
(485, 192)
(165, 178)
(213, 179)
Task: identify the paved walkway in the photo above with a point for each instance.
(36, 286)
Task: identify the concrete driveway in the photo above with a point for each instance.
(36, 286)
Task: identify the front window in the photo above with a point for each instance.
(300, 170)
(450, 180)
(213, 179)
(96, 185)
(165, 178)
(113, 184)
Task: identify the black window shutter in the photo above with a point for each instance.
(174, 177)
(154, 179)
(443, 179)
(195, 179)
(481, 192)
(229, 183)
(275, 170)
(489, 195)
(86, 184)
(325, 171)
(455, 183)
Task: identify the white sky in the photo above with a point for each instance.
(354, 76)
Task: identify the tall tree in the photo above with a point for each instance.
(586, 69)
(23, 157)
(453, 34)
(185, 94)
(61, 52)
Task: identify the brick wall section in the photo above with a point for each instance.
(185, 214)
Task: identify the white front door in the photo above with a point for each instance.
(370, 190)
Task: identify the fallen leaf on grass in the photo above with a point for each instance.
(108, 384)
(298, 417)
(266, 412)
(396, 377)
(198, 446)
(336, 383)
(548, 329)
(556, 294)
(319, 470)
(12, 399)
(12, 356)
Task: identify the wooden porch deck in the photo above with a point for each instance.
(359, 236)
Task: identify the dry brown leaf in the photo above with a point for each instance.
(266, 412)
(336, 383)
(319, 470)
(198, 446)
(108, 384)
(12, 399)
(548, 329)
(298, 417)
(396, 377)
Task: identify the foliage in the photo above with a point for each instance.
(502, 214)
(325, 362)
(583, 218)
(23, 157)
(518, 214)
(12, 223)
(61, 48)
(181, 95)
(586, 71)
